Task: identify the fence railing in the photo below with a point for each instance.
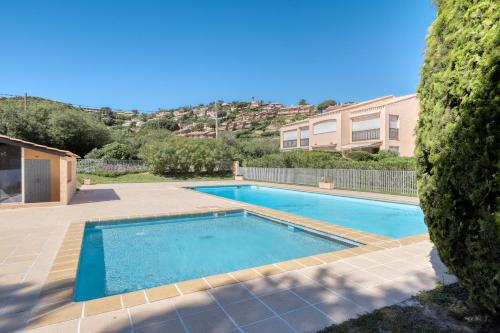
(393, 133)
(383, 181)
(304, 142)
(289, 143)
(121, 166)
(370, 134)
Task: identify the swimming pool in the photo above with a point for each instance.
(128, 255)
(389, 219)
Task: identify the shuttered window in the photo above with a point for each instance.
(304, 133)
(327, 126)
(290, 135)
(365, 124)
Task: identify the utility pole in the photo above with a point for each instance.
(216, 121)
(25, 101)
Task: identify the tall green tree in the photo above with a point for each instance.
(53, 124)
(326, 103)
(458, 143)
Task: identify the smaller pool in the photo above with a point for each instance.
(128, 255)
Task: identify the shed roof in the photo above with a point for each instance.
(18, 142)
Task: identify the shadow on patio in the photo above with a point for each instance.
(289, 302)
(85, 196)
(18, 300)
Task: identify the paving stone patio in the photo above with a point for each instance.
(303, 300)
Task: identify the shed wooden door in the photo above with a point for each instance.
(37, 180)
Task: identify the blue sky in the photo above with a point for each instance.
(151, 54)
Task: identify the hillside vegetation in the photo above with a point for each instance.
(165, 140)
(53, 124)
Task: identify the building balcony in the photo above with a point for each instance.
(304, 142)
(371, 134)
(394, 133)
(290, 144)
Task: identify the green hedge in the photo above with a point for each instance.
(458, 144)
(332, 160)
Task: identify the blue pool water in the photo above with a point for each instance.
(130, 255)
(384, 218)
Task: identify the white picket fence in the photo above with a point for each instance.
(121, 166)
(384, 181)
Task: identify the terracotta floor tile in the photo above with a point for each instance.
(269, 270)
(220, 280)
(245, 275)
(102, 305)
(309, 261)
(162, 292)
(133, 299)
(289, 265)
(192, 286)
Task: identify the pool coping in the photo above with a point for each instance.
(59, 286)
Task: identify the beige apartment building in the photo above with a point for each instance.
(385, 123)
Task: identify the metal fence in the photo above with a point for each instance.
(117, 166)
(384, 181)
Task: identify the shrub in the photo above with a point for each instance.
(255, 148)
(361, 156)
(184, 155)
(458, 144)
(329, 160)
(113, 151)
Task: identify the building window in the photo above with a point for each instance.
(10, 174)
(327, 126)
(304, 136)
(394, 149)
(393, 127)
(290, 139)
(366, 129)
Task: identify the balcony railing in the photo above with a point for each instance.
(289, 143)
(394, 133)
(370, 134)
(304, 142)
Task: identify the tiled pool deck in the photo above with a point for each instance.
(39, 251)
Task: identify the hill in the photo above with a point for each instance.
(243, 119)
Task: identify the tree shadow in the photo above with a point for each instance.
(345, 300)
(328, 289)
(19, 301)
(85, 196)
